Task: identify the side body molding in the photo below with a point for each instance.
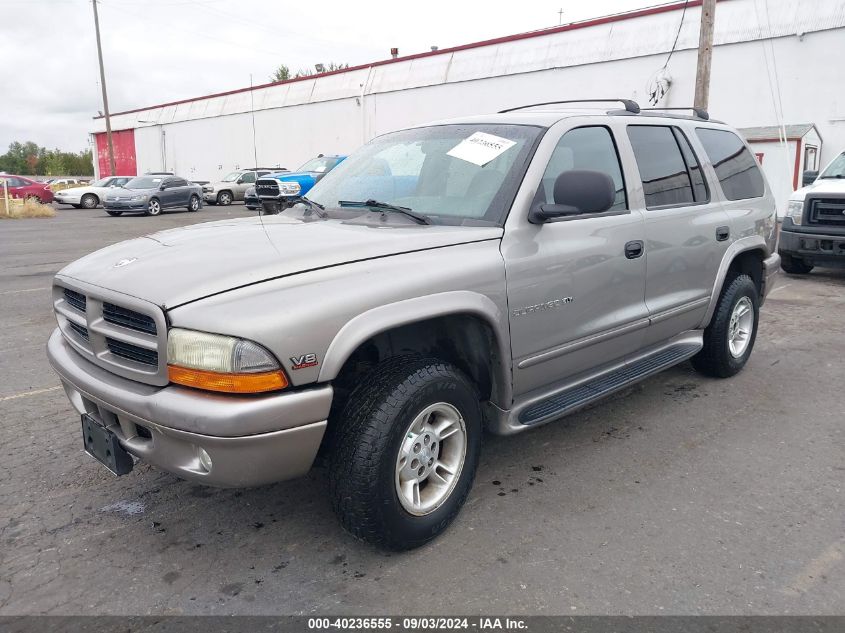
(407, 311)
(748, 243)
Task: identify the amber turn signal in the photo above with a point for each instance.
(227, 383)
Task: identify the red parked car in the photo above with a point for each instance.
(20, 187)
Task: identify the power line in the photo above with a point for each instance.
(677, 35)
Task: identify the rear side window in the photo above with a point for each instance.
(666, 180)
(736, 168)
(699, 186)
(585, 148)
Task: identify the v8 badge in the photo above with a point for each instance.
(301, 362)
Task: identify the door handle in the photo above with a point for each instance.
(723, 233)
(634, 249)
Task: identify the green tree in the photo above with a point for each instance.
(31, 160)
(282, 73)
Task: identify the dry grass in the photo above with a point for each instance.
(19, 209)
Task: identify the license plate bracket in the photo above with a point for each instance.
(103, 445)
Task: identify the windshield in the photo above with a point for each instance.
(101, 182)
(453, 174)
(232, 177)
(144, 182)
(319, 165)
(836, 169)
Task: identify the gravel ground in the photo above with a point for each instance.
(682, 495)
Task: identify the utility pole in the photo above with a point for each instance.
(105, 94)
(705, 54)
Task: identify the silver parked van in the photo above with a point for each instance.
(497, 271)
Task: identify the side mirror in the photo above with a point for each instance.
(809, 177)
(576, 191)
(239, 181)
(162, 187)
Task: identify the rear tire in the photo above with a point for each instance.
(224, 198)
(114, 213)
(794, 266)
(404, 452)
(90, 201)
(194, 204)
(729, 339)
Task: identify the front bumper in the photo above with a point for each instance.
(126, 205)
(67, 199)
(252, 440)
(816, 249)
(209, 196)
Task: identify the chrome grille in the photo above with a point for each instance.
(128, 318)
(830, 211)
(75, 299)
(121, 334)
(79, 329)
(267, 187)
(132, 352)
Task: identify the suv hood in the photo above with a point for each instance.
(178, 266)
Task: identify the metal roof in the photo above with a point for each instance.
(640, 33)
(769, 132)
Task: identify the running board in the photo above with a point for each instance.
(564, 402)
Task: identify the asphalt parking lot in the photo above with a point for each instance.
(683, 495)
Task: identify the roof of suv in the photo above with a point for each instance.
(545, 116)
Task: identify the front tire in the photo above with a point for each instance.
(794, 266)
(224, 198)
(405, 452)
(90, 201)
(729, 338)
(154, 207)
(194, 204)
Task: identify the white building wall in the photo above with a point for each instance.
(208, 137)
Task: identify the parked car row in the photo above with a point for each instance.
(270, 189)
(20, 187)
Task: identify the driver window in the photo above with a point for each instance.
(585, 148)
(248, 177)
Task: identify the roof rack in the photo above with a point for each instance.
(700, 113)
(630, 106)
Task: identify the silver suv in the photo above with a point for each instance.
(233, 187)
(496, 271)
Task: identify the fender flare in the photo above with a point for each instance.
(742, 245)
(386, 317)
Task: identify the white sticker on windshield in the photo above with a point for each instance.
(481, 148)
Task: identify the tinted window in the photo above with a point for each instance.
(585, 148)
(177, 182)
(662, 168)
(699, 186)
(248, 177)
(736, 168)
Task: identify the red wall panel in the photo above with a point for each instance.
(123, 142)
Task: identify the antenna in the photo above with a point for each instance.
(252, 113)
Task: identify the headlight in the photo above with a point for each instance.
(138, 198)
(289, 188)
(221, 363)
(795, 210)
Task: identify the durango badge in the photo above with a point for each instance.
(301, 362)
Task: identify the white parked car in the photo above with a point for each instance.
(90, 196)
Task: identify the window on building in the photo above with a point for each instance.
(585, 148)
(736, 168)
(666, 180)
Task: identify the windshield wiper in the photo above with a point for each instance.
(375, 205)
(318, 208)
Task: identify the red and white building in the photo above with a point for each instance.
(775, 63)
